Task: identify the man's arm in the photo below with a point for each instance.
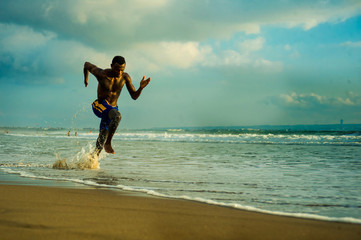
(131, 89)
(88, 67)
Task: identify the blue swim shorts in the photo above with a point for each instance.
(101, 109)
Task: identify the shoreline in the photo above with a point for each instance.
(44, 212)
(15, 179)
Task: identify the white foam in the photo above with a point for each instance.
(247, 208)
(239, 206)
(22, 165)
(24, 174)
(262, 138)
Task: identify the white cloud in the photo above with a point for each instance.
(111, 23)
(270, 66)
(227, 58)
(309, 14)
(249, 28)
(312, 100)
(251, 45)
(183, 55)
(311, 108)
(113, 12)
(156, 56)
(351, 44)
(243, 56)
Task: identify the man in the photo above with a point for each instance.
(110, 84)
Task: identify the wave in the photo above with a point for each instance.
(244, 138)
(220, 136)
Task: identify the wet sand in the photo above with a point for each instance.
(38, 212)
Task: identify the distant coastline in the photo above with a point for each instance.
(297, 127)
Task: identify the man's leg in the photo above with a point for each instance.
(103, 134)
(115, 118)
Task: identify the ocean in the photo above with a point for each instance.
(308, 172)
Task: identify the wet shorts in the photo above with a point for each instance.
(101, 109)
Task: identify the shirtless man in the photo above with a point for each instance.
(110, 84)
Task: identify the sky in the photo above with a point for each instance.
(211, 63)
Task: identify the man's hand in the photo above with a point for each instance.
(144, 82)
(86, 75)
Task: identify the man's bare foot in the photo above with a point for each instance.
(108, 148)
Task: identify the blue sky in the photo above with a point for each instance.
(212, 63)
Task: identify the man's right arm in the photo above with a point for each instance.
(88, 67)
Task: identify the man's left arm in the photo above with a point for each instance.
(131, 89)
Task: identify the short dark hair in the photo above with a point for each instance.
(118, 59)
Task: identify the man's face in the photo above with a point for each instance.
(117, 68)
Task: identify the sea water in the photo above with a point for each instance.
(301, 173)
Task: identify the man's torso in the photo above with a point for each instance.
(109, 87)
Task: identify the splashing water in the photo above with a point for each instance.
(85, 159)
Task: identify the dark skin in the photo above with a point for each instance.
(110, 84)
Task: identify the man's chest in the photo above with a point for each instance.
(113, 84)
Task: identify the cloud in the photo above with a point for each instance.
(157, 34)
(19, 49)
(315, 101)
(231, 58)
(175, 54)
(351, 44)
(27, 56)
(309, 14)
(244, 55)
(156, 56)
(109, 24)
(251, 45)
(312, 108)
(44, 56)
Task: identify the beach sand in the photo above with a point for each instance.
(38, 212)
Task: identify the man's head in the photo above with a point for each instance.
(118, 64)
(118, 59)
